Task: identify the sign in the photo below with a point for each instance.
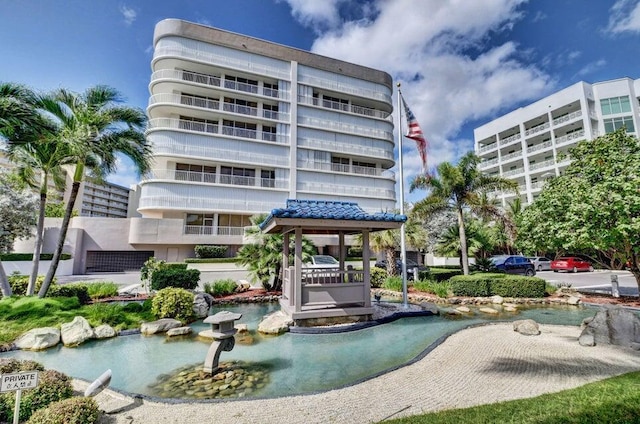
(18, 381)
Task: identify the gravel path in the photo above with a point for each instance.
(475, 366)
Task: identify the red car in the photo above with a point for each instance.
(570, 263)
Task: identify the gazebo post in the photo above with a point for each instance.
(366, 267)
(341, 247)
(298, 269)
(290, 287)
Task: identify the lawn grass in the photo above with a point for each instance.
(614, 400)
(21, 314)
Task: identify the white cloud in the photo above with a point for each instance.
(591, 67)
(128, 14)
(317, 14)
(625, 17)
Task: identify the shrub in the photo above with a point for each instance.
(102, 289)
(77, 410)
(378, 275)
(175, 277)
(211, 261)
(70, 290)
(10, 365)
(439, 273)
(208, 251)
(221, 287)
(440, 289)
(29, 257)
(354, 252)
(497, 284)
(19, 283)
(392, 283)
(173, 303)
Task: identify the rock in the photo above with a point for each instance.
(179, 331)
(527, 327)
(159, 326)
(510, 308)
(463, 309)
(430, 307)
(76, 332)
(490, 311)
(38, 339)
(242, 328)
(104, 331)
(614, 325)
(275, 323)
(573, 300)
(202, 304)
(586, 339)
(497, 300)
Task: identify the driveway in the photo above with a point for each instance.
(598, 281)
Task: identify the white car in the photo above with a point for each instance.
(540, 263)
(323, 261)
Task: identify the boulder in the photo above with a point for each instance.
(202, 304)
(159, 326)
(490, 311)
(76, 332)
(179, 331)
(242, 328)
(463, 309)
(612, 325)
(104, 331)
(275, 323)
(527, 327)
(38, 339)
(430, 307)
(497, 300)
(573, 300)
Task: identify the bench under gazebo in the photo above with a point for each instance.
(317, 296)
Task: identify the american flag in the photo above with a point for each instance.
(415, 133)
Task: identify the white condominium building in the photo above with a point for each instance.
(528, 144)
(239, 125)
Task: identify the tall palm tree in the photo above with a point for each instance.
(94, 127)
(459, 187)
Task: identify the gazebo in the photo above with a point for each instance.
(315, 296)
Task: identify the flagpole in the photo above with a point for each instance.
(403, 247)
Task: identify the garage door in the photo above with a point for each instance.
(116, 261)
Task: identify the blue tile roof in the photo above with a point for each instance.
(321, 209)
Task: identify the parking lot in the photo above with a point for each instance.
(598, 281)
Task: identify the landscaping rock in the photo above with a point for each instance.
(573, 300)
(76, 332)
(275, 323)
(38, 339)
(242, 328)
(430, 307)
(612, 325)
(490, 311)
(497, 300)
(463, 309)
(586, 339)
(527, 327)
(159, 326)
(202, 304)
(179, 331)
(104, 331)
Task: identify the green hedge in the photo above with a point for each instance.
(19, 285)
(210, 251)
(29, 256)
(491, 284)
(439, 274)
(211, 260)
(170, 276)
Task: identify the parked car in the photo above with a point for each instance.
(411, 265)
(540, 263)
(323, 261)
(571, 263)
(513, 264)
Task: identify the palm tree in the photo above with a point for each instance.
(94, 128)
(460, 188)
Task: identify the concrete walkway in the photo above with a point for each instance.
(476, 366)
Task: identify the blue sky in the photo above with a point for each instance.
(461, 63)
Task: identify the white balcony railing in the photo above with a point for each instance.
(540, 146)
(347, 128)
(204, 230)
(347, 169)
(488, 163)
(211, 178)
(543, 164)
(569, 137)
(205, 127)
(568, 117)
(488, 147)
(179, 202)
(345, 147)
(345, 107)
(537, 129)
(345, 88)
(511, 156)
(510, 139)
(347, 190)
(512, 172)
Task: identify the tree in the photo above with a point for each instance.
(94, 127)
(477, 240)
(16, 219)
(263, 257)
(459, 188)
(594, 205)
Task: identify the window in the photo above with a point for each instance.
(239, 129)
(268, 133)
(335, 103)
(197, 124)
(189, 172)
(240, 106)
(612, 124)
(270, 90)
(237, 176)
(615, 105)
(339, 164)
(270, 111)
(267, 178)
(226, 223)
(199, 219)
(199, 101)
(239, 83)
(364, 168)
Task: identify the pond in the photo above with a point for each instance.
(296, 363)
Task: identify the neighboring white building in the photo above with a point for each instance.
(106, 200)
(526, 144)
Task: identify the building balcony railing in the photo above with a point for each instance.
(346, 169)
(216, 59)
(537, 185)
(344, 88)
(544, 164)
(190, 202)
(211, 128)
(510, 156)
(345, 147)
(206, 230)
(568, 117)
(569, 137)
(211, 178)
(488, 147)
(536, 129)
(540, 146)
(488, 163)
(345, 107)
(349, 190)
(181, 76)
(510, 139)
(347, 128)
(512, 172)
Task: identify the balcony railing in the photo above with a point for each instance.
(344, 88)
(488, 147)
(347, 169)
(536, 129)
(180, 202)
(543, 164)
(540, 146)
(513, 172)
(488, 163)
(205, 127)
(211, 178)
(345, 107)
(347, 128)
(511, 156)
(510, 139)
(204, 230)
(568, 117)
(569, 137)
(345, 147)
(346, 190)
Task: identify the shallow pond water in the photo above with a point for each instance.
(297, 363)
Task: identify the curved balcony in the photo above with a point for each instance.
(347, 169)
(358, 110)
(218, 179)
(347, 190)
(210, 128)
(182, 203)
(345, 88)
(354, 149)
(346, 128)
(193, 78)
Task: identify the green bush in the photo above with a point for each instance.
(173, 303)
(175, 265)
(393, 283)
(52, 386)
(10, 365)
(175, 277)
(490, 284)
(102, 289)
(211, 261)
(29, 257)
(354, 252)
(70, 290)
(439, 273)
(209, 251)
(19, 283)
(378, 275)
(221, 287)
(440, 289)
(77, 410)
